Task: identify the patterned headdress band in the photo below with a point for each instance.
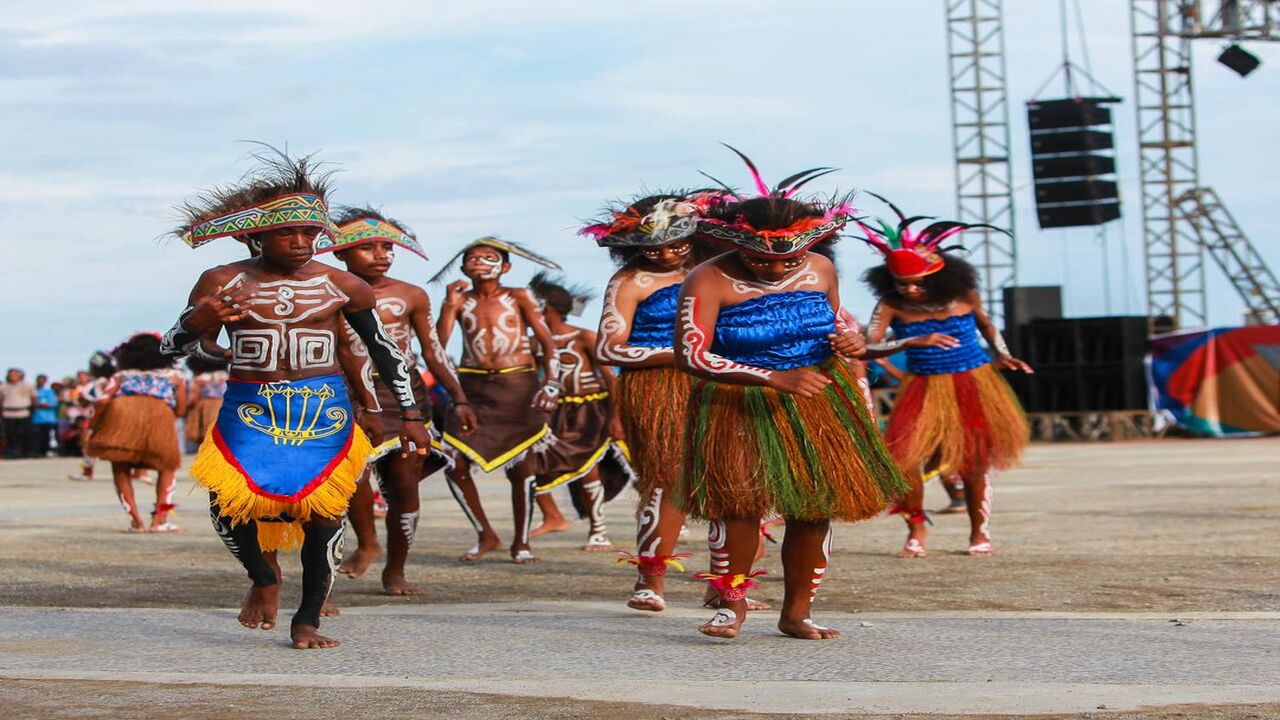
(493, 242)
(788, 241)
(910, 253)
(367, 230)
(671, 219)
(293, 210)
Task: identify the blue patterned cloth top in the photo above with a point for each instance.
(158, 385)
(654, 324)
(940, 361)
(780, 331)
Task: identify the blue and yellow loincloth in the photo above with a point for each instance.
(287, 449)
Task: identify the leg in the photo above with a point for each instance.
(164, 503)
(463, 487)
(954, 486)
(400, 477)
(738, 552)
(977, 493)
(259, 607)
(360, 513)
(717, 541)
(597, 532)
(321, 555)
(522, 502)
(806, 551)
(658, 529)
(553, 520)
(124, 491)
(912, 509)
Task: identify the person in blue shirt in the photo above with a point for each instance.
(44, 418)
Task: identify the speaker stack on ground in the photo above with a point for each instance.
(1081, 364)
(1072, 163)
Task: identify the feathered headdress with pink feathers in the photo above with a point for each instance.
(775, 223)
(912, 253)
(650, 220)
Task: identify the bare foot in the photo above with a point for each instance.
(395, 584)
(358, 564)
(306, 637)
(259, 607)
(597, 544)
(727, 621)
(806, 629)
(485, 545)
(549, 526)
(980, 546)
(645, 599)
(523, 556)
(711, 598)
(914, 547)
(328, 609)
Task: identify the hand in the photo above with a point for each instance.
(938, 340)
(545, 399)
(801, 381)
(371, 424)
(849, 344)
(214, 311)
(1009, 362)
(455, 293)
(413, 436)
(467, 420)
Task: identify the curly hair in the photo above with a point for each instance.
(955, 280)
(141, 352)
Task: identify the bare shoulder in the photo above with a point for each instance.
(407, 290)
(712, 273)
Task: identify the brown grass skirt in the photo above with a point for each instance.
(755, 451)
(136, 430)
(652, 402)
(201, 417)
(968, 422)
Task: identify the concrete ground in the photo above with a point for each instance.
(1142, 577)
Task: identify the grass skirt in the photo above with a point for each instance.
(136, 430)
(968, 421)
(201, 417)
(652, 402)
(755, 451)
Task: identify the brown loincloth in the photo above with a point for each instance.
(136, 430)
(509, 425)
(387, 445)
(580, 426)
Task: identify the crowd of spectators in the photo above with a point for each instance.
(44, 419)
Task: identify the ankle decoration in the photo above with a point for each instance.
(731, 588)
(764, 532)
(163, 508)
(913, 517)
(653, 565)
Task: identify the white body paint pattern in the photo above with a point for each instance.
(572, 372)
(462, 503)
(984, 509)
(334, 553)
(820, 571)
(594, 491)
(717, 538)
(278, 305)
(224, 532)
(647, 540)
(876, 327)
(612, 345)
(696, 348)
(806, 276)
(409, 526)
(361, 353)
(505, 336)
(530, 495)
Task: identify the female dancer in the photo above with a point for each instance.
(136, 427)
(775, 421)
(953, 411)
(208, 385)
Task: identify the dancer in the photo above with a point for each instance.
(588, 451)
(283, 457)
(366, 243)
(500, 378)
(136, 427)
(651, 239)
(208, 385)
(775, 421)
(953, 411)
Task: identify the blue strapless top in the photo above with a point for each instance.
(940, 361)
(654, 324)
(781, 331)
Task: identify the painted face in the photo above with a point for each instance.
(371, 259)
(770, 269)
(484, 263)
(669, 256)
(911, 288)
(291, 247)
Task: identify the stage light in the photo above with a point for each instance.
(1239, 60)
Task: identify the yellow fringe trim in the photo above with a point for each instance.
(385, 448)
(585, 468)
(236, 501)
(500, 371)
(580, 399)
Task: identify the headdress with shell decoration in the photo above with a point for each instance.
(911, 253)
(358, 226)
(283, 191)
(775, 223)
(654, 219)
(505, 245)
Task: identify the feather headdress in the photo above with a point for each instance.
(908, 252)
(497, 244)
(546, 288)
(357, 226)
(651, 220)
(283, 191)
(775, 222)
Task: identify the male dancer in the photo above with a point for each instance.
(366, 244)
(284, 455)
(499, 376)
(588, 435)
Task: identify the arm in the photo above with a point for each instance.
(878, 345)
(1004, 359)
(548, 358)
(847, 340)
(454, 295)
(438, 362)
(695, 328)
(615, 329)
(209, 307)
(358, 371)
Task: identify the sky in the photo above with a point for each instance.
(521, 119)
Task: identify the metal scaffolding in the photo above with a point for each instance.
(980, 138)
